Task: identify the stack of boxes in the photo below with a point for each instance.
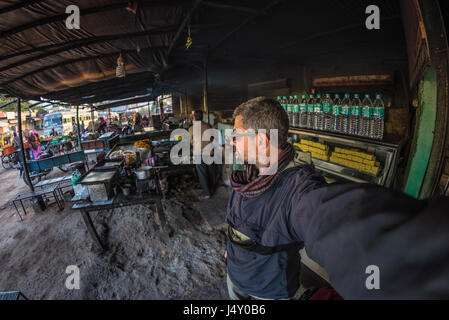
(361, 161)
(318, 150)
(355, 159)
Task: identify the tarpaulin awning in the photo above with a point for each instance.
(39, 56)
(242, 41)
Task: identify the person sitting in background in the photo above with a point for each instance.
(102, 126)
(34, 133)
(26, 134)
(35, 150)
(145, 121)
(138, 123)
(74, 127)
(206, 173)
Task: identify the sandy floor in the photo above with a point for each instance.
(184, 261)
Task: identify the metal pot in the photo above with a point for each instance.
(144, 173)
(144, 153)
(126, 191)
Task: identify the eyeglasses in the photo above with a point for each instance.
(230, 138)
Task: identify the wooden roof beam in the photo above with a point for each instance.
(183, 24)
(77, 43)
(230, 7)
(63, 63)
(19, 5)
(8, 103)
(85, 12)
(245, 22)
(61, 17)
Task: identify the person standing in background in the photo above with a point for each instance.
(16, 139)
(206, 173)
(138, 123)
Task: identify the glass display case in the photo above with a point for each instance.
(347, 158)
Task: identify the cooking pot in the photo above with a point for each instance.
(144, 153)
(144, 173)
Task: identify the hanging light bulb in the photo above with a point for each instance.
(189, 39)
(120, 71)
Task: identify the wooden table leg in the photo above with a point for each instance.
(14, 202)
(23, 207)
(91, 228)
(160, 213)
(58, 202)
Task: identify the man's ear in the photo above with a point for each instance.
(263, 139)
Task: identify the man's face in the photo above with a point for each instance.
(245, 146)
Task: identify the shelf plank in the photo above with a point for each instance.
(352, 81)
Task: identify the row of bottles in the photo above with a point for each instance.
(357, 117)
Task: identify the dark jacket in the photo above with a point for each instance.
(264, 219)
(345, 227)
(348, 227)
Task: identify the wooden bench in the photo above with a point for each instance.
(56, 161)
(39, 168)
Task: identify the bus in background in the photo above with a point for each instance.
(68, 118)
(53, 121)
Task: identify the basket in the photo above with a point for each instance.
(8, 150)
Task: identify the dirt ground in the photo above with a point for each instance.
(184, 260)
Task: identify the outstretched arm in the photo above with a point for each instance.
(349, 228)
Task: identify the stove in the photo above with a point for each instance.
(145, 186)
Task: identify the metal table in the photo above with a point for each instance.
(12, 295)
(53, 191)
(63, 182)
(119, 201)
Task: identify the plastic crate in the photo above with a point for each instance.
(93, 144)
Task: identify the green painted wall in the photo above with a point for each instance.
(424, 132)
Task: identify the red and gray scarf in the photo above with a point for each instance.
(251, 184)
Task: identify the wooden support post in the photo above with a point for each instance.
(92, 115)
(161, 109)
(205, 89)
(91, 228)
(78, 126)
(22, 149)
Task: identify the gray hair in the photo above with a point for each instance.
(264, 113)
